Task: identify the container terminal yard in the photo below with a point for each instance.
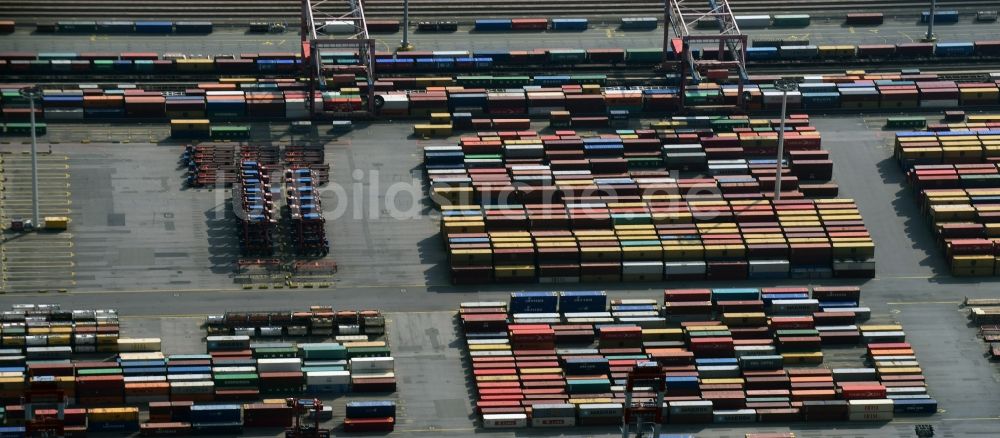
(502, 218)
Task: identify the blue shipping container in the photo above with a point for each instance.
(940, 17)
(492, 25)
(583, 301)
(215, 414)
(954, 49)
(762, 53)
(12, 432)
(371, 409)
(154, 26)
(682, 382)
(587, 366)
(569, 24)
(915, 406)
(534, 302)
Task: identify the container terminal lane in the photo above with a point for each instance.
(164, 254)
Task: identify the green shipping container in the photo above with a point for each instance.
(25, 129)
(511, 81)
(643, 56)
(588, 386)
(710, 334)
(573, 56)
(588, 79)
(103, 65)
(241, 380)
(801, 332)
(99, 372)
(906, 122)
(229, 131)
(323, 351)
(474, 81)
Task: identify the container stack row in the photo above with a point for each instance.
(39, 332)
(579, 95)
(452, 61)
(254, 208)
(269, 368)
(550, 359)
(518, 207)
(318, 322)
(537, 24)
(307, 227)
(124, 27)
(955, 176)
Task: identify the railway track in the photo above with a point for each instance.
(243, 11)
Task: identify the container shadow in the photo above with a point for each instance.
(223, 243)
(915, 226)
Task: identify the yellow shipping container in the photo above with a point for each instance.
(512, 378)
(589, 401)
(113, 414)
(802, 358)
(727, 381)
(662, 334)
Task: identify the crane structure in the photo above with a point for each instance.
(645, 378)
(319, 17)
(301, 429)
(691, 23)
(40, 425)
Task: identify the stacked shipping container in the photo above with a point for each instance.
(550, 359)
(953, 168)
(519, 207)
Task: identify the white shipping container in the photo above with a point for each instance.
(328, 378)
(505, 421)
(870, 416)
(145, 379)
(339, 27)
(480, 304)
(372, 364)
(351, 338)
(491, 353)
(735, 416)
(684, 268)
(754, 350)
(373, 374)
(642, 268)
(752, 21)
(279, 365)
(192, 387)
(873, 405)
(690, 407)
(189, 377)
(553, 422)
